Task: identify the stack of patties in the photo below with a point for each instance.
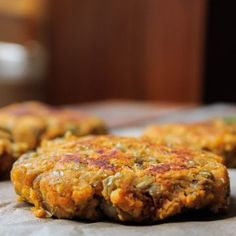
(217, 136)
(24, 125)
(126, 179)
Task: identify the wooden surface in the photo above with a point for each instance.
(175, 43)
(23, 21)
(134, 49)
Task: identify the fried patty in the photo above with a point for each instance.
(217, 136)
(31, 122)
(24, 125)
(126, 179)
(9, 152)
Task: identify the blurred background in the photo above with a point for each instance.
(66, 52)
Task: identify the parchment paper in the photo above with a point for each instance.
(17, 219)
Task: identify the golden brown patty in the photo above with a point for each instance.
(217, 136)
(24, 125)
(9, 152)
(127, 179)
(31, 122)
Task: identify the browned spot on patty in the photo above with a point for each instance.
(101, 162)
(182, 153)
(162, 168)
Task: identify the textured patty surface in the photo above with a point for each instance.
(9, 152)
(31, 122)
(24, 125)
(126, 179)
(217, 136)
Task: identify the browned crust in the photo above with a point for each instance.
(127, 179)
(24, 125)
(214, 135)
(31, 122)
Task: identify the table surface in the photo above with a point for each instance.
(120, 113)
(17, 219)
